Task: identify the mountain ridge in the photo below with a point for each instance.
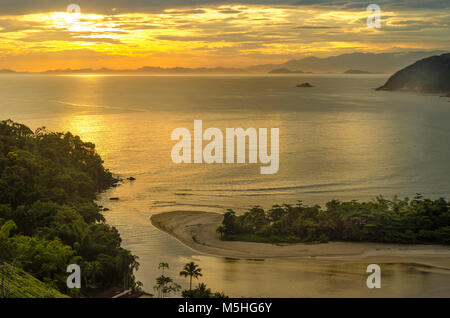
(369, 62)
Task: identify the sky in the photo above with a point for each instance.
(38, 35)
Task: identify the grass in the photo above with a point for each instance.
(20, 284)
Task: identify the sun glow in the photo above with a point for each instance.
(208, 36)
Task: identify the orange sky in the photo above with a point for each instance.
(221, 35)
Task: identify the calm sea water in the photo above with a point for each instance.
(338, 140)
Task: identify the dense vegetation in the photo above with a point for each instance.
(48, 219)
(165, 285)
(391, 221)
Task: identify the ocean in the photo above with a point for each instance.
(340, 139)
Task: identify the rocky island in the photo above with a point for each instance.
(304, 85)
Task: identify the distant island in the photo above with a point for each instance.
(304, 85)
(429, 75)
(4, 71)
(285, 71)
(356, 72)
(351, 63)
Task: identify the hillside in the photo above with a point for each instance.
(430, 75)
(16, 283)
(48, 217)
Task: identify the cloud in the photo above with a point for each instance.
(11, 25)
(315, 27)
(133, 6)
(214, 34)
(68, 36)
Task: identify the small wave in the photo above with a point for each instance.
(311, 186)
(100, 106)
(355, 185)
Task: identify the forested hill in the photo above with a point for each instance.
(48, 219)
(430, 75)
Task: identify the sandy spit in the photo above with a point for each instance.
(197, 230)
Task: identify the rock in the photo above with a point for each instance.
(105, 209)
(304, 85)
(114, 199)
(131, 178)
(429, 75)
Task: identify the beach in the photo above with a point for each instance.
(197, 230)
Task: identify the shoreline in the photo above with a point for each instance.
(197, 230)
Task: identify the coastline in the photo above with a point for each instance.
(197, 230)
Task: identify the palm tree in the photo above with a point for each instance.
(163, 265)
(165, 285)
(192, 270)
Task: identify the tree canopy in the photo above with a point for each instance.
(48, 218)
(390, 221)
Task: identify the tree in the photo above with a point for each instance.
(202, 291)
(230, 222)
(163, 265)
(5, 231)
(221, 231)
(193, 271)
(165, 285)
(48, 182)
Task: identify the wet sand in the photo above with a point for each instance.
(198, 231)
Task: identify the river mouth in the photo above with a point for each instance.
(419, 276)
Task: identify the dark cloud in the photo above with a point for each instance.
(120, 6)
(10, 25)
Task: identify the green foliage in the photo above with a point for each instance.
(202, 291)
(43, 259)
(380, 220)
(164, 284)
(48, 219)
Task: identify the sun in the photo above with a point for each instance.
(72, 17)
(77, 21)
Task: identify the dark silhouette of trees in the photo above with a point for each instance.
(193, 271)
(48, 182)
(392, 221)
